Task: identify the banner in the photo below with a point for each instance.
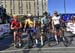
(4, 28)
(67, 17)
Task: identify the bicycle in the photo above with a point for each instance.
(17, 43)
(65, 38)
(31, 37)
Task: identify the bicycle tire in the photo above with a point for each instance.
(66, 41)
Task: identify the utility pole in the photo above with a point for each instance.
(65, 6)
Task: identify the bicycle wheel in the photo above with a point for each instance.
(66, 41)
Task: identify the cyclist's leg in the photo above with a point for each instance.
(59, 33)
(41, 37)
(46, 31)
(41, 40)
(35, 36)
(63, 29)
(48, 38)
(15, 37)
(56, 38)
(30, 38)
(19, 37)
(36, 40)
(56, 34)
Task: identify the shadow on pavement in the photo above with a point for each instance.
(25, 51)
(6, 42)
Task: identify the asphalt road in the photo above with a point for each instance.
(6, 46)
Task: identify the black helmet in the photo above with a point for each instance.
(45, 13)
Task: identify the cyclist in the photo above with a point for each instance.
(56, 25)
(37, 32)
(71, 28)
(29, 27)
(15, 26)
(44, 26)
(71, 25)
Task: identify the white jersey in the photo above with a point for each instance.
(71, 27)
(56, 20)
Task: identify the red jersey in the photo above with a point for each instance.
(15, 24)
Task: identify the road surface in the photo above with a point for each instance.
(6, 46)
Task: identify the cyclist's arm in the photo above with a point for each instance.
(20, 25)
(34, 23)
(12, 27)
(25, 24)
(52, 25)
(42, 22)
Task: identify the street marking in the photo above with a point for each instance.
(57, 51)
(39, 49)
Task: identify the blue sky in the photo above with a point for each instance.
(58, 5)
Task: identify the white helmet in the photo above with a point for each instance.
(29, 15)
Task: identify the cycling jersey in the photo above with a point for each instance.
(44, 22)
(15, 24)
(71, 27)
(30, 22)
(56, 20)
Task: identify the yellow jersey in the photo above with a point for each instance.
(30, 23)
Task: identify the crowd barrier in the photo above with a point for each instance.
(4, 28)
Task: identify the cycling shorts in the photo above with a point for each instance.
(57, 26)
(19, 30)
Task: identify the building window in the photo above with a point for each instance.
(45, 5)
(29, 7)
(37, 7)
(13, 6)
(20, 7)
(3, 3)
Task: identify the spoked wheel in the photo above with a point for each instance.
(66, 41)
(51, 40)
(52, 43)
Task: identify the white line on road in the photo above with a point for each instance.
(58, 51)
(41, 49)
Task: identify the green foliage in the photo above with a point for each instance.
(21, 18)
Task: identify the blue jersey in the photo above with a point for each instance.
(44, 20)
